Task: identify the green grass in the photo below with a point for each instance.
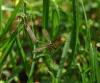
(45, 13)
(11, 19)
(65, 33)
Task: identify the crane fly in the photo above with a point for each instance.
(50, 45)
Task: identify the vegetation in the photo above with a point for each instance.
(49, 41)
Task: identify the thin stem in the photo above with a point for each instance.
(86, 24)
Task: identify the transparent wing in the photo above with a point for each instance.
(46, 35)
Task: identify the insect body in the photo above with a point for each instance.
(51, 45)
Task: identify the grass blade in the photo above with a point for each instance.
(75, 30)
(20, 49)
(7, 50)
(45, 13)
(63, 58)
(11, 19)
(94, 65)
(88, 37)
(31, 72)
(55, 18)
